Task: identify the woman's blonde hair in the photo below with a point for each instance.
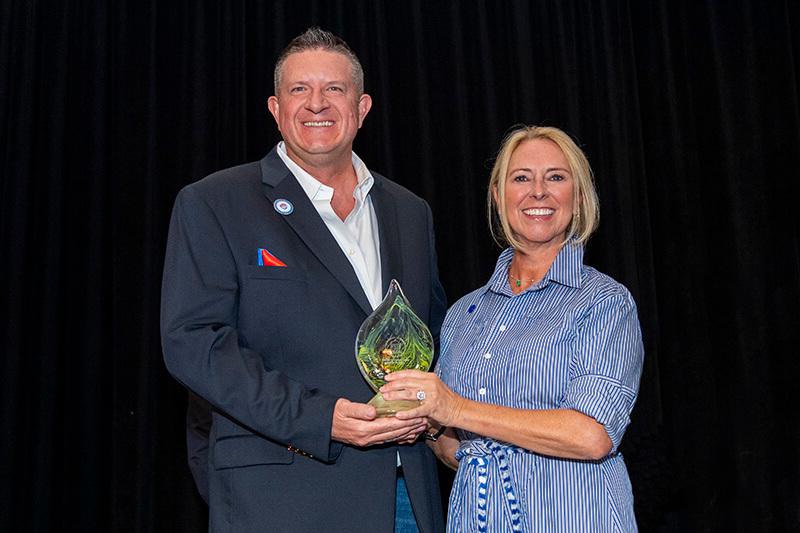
(586, 213)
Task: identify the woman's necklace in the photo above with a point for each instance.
(517, 282)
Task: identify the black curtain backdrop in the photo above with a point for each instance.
(687, 109)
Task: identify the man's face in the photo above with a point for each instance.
(317, 108)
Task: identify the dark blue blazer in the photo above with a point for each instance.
(271, 349)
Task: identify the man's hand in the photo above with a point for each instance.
(358, 424)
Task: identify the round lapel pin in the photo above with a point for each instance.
(283, 206)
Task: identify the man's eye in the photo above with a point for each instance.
(335, 88)
(297, 89)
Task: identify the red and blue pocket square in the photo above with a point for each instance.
(265, 258)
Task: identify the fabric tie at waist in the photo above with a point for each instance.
(480, 453)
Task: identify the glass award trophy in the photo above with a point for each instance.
(392, 338)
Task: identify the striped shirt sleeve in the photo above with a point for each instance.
(607, 364)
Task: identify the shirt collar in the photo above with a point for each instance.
(566, 270)
(315, 190)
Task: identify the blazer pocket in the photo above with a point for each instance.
(249, 450)
(272, 272)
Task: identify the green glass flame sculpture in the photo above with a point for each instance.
(392, 338)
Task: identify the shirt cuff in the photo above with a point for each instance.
(606, 400)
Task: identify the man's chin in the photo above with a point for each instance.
(321, 155)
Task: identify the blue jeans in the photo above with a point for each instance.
(404, 521)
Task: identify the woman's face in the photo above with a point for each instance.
(539, 191)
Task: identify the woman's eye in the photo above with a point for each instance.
(521, 177)
(557, 177)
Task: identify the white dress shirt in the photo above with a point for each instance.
(357, 235)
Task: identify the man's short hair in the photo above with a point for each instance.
(318, 39)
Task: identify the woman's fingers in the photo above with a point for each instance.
(427, 388)
(403, 374)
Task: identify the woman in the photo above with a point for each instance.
(539, 368)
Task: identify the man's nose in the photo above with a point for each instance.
(317, 101)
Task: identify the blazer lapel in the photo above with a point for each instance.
(386, 213)
(307, 224)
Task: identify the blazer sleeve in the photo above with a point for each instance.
(198, 428)
(202, 347)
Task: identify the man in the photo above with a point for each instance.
(271, 268)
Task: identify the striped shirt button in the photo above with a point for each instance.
(502, 327)
(482, 391)
(487, 355)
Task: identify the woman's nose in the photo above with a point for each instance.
(538, 188)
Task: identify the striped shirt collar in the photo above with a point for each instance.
(566, 270)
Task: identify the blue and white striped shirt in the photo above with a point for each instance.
(571, 341)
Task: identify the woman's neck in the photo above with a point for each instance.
(528, 266)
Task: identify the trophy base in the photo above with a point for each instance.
(391, 407)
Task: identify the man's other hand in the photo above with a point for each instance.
(358, 424)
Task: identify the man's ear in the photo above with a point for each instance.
(364, 105)
(274, 108)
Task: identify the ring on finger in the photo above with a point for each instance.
(421, 395)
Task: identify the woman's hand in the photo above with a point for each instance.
(439, 404)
